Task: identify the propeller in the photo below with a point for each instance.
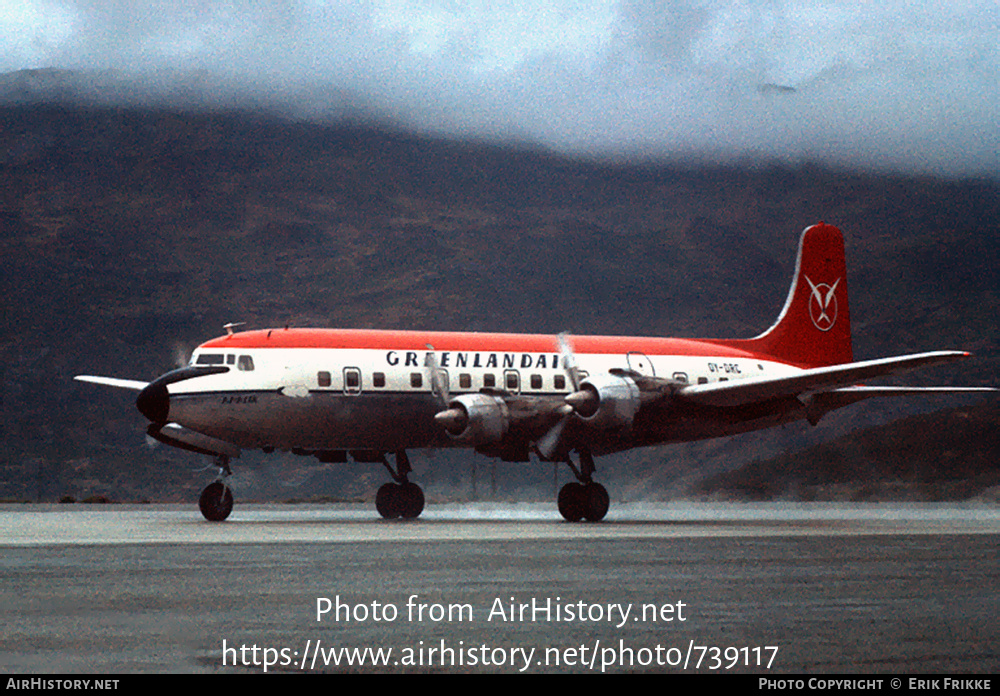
(582, 401)
(452, 419)
(579, 400)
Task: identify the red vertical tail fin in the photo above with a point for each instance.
(814, 328)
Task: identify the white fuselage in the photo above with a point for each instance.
(385, 398)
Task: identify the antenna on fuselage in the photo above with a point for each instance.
(231, 325)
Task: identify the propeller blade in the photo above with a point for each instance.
(569, 360)
(583, 401)
(439, 382)
(182, 356)
(548, 444)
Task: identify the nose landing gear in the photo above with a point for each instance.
(216, 501)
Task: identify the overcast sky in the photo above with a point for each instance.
(908, 85)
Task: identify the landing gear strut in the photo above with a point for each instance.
(583, 498)
(402, 498)
(216, 500)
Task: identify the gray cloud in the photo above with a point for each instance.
(895, 84)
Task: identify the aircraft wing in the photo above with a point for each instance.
(823, 380)
(113, 382)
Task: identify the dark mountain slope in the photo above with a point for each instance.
(946, 455)
(129, 236)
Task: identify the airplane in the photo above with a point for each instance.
(328, 393)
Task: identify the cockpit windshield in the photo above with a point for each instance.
(244, 363)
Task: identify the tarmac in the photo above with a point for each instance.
(501, 588)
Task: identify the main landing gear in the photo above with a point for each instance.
(216, 500)
(402, 498)
(583, 499)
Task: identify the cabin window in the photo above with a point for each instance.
(378, 379)
(536, 381)
(323, 379)
(352, 379)
(416, 380)
(512, 380)
(465, 381)
(559, 381)
(245, 363)
(703, 380)
(489, 380)
(681, 377)
(211, 359)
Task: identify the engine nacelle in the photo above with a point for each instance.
(476, 419)
(611, 402)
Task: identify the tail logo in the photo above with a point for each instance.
(823, 304)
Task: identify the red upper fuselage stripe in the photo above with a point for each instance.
(460, 341)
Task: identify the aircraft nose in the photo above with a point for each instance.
(154, 403)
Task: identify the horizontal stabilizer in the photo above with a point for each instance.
(819, 379)
(113, 382)
(869, 392)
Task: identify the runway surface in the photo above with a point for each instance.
(815, 588)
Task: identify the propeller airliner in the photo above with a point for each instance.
(334, 393)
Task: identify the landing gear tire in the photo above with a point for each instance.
(401, 498)
(579, 501)
(597, 502)
(571, 501)
(404, 500)
(583, 499)
(387, 501)
(412, 498)
(216, 502)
